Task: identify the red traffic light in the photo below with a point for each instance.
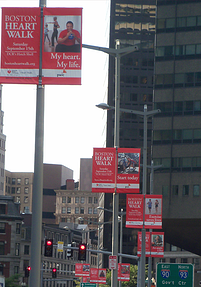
(29, 268)
(82, 247)
(54, 273)
(49, 242)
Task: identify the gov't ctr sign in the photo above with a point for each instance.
(173, 274)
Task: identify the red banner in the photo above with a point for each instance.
(116, 169)
(147, 244)
(153, 211)
(123, 271)
(62, 53)
(134, 210)
(154, 244)
(20, 45)
(82, 270)
(98, 275)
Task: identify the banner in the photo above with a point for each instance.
(82, 270)
(116, 168)
(153, 211)
(98, 275)
(147, 244)
(128, 175)
(62, 43)
(157, 244)
(20, 45)
(134, 210)
(103, 170)
(123, 271)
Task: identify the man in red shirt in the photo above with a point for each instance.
(67, 39)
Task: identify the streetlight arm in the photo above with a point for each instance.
(111, 51)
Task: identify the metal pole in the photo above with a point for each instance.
(121, 239)
(114, 280)
(37, 197)
(142, 267)
(150, 258)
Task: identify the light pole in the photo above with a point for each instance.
(145, 114)
(117, 53)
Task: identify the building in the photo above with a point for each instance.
(177, 130)
(2, 147)
(10, 236)
(20, 186)
(133, 23)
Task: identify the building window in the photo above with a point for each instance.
(13, 180)
(165, 190)
(18, 199)
(1, 269)
(13, 190)
(68, 209)
(69, 199)
(18, 189)
(172, 260)
(185, 190)
(26, 249)
(175, 190)
(2, 247)
(184, 260)
(26, 190)
(77, 199)
(2, 227)
(196, 189)
(63, 210)
(16, 269)
(2, 209)
(95, 200)
(76, 210)
(196, 262)
(26, 199)
(26, 181)
(90, 210)
(95, 210)
(18, 228)
(63, 199)
(81, 210)
(82, 199)
(90, 200)
(18, 180)
(17, 249)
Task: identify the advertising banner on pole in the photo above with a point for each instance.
(103, 170)
(153, 211)
(147, 244)
(116, 169)
(20, 45)
(134, 210)
(82, 270)
(62, 53)
(157, 244)
(98, 275)
(123, 271)
(154, 244)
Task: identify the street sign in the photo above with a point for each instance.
(173, 274)
(87, 285)
(60, 245)
(113, 262)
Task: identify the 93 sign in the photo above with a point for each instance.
(176, 275)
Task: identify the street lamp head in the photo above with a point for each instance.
(100, 207)
(103, 106)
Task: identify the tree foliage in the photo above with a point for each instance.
(13, 281)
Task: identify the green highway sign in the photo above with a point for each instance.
(173, 274)
(87, 285)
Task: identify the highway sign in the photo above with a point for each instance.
(173, 274)
(87, 285)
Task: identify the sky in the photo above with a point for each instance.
(73, 125)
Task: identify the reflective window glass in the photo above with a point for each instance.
(191, 21)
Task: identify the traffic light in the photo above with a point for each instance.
(69, 250)
(48, 247)
(82, 252)
(54, 273)
(27, 270)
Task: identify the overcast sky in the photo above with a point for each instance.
(73, 125)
